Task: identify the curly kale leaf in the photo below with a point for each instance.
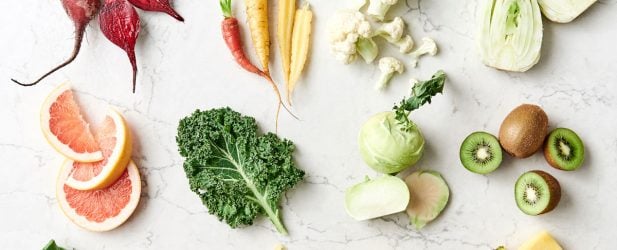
(422, 92)
(237, 173)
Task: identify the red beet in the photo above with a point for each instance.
(157, 5)
(80, 12)
(120, 24)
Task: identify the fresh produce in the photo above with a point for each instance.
(115, 141)
(257, 14)
(300, 44)
(378, 8)
(429, 194)
(350, 35)
(564, 150)
(481, 153)
(284, 31)
(390, 142)
(392, 31)
(537, 192)
(541, 241)
(375, 198)
(509, 35)
(100, 209)
(65, 129)
(428, 47)
(523, 130)
(157, 5)
(237, 173)
(81, 13)
(231, 34)
(388, 67)
(51, 245)
(563, 11)
(120, 24)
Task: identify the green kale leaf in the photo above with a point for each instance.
(52, 246)
(237, 173)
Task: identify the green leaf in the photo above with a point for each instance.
(52, 246)
(237, 173)
(422, 92)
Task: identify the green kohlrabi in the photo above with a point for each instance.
(389, 141)
(509, 34)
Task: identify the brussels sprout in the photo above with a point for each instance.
(389, 146)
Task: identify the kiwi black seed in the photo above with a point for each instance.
(537, 192)
(481, 153)
(564, 150)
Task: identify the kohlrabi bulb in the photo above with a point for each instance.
(387, 146)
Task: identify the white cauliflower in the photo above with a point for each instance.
(392, 31)
(388, 66)
(378, 8)
(346, 28)
(428, 47)
(405, 44)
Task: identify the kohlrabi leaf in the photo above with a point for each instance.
(509, 34)
(422, 92)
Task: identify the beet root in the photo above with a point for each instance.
(120, 24)
(81, 13)
(157, 5)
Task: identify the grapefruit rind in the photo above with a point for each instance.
(117, 161)
(59, 146)
(110, 223)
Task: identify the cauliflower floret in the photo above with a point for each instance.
(428, 47)
(346, 28)
(392, 31)
(378, 8)
(388, 66)
(405, 44)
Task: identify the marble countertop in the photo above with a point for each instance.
(183, 67)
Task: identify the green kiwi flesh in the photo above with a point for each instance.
(564, 150)
(537, 192)
(481, 153)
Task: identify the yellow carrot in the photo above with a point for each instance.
(257, 15)
(300, 43)
(286, 14)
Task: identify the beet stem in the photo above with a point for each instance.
(76, 47)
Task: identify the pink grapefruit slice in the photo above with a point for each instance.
(115, 142)
(65, 129)
(101, 209)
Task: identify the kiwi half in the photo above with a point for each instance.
(537, 192)
(481, 153)
(564, 150)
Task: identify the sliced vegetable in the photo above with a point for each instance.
(564, 11)
(375, 198)
(285, 26)
(429, 195)
(299, 47)
(509, 34)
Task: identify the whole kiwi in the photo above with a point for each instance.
(522, 132)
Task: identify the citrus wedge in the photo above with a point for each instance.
(65, 129)
(114, 139)
(102, 209)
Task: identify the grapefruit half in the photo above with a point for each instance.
(65, 129)
(102, 209)
(115, 142)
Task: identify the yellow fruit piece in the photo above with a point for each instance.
(542, 241)
(300, 43)
(286, 13)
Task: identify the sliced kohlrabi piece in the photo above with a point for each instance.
(375, 198)
(429, 195)
(509, 34)
(564, 11)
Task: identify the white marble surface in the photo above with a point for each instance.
(186, 66)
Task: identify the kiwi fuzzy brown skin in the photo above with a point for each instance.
(523, 130)
(554, 189)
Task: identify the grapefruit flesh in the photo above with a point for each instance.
(101, 209)
(65, 129)
(114, 140)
